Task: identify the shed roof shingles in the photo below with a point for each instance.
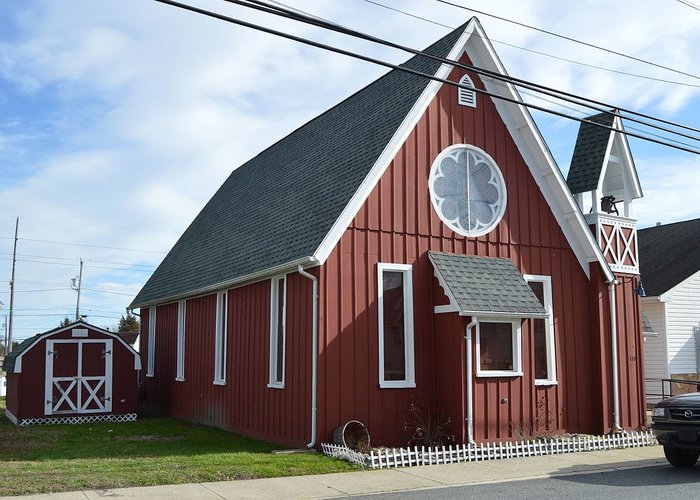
(278, 207)
(487, 285)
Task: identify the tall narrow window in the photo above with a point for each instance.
(543, 331)
(220, 340)
(466, 97)
(395, 307)
(180, 375)
(151, 341)
(278, 308)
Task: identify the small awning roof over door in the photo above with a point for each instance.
(485, 286)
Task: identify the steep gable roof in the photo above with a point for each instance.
(301, 184)
(596, 149)
(589, 153)
(668, 255)
(308, 186)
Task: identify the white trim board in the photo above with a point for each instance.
(526, 136)
(18, 359)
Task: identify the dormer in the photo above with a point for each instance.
(604, 181)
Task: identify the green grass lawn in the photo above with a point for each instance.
(150, 451)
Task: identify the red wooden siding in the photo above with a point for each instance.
(26, 389)
(398, 224)
(245, 404)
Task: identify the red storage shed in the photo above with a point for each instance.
(72, 374)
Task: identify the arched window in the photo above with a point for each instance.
(466, 97)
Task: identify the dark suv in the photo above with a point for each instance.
(676, 424)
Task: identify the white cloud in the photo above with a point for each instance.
(127, 116)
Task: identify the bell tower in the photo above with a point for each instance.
(604, 181)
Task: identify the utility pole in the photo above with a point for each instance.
(12, 285)
(79, 284)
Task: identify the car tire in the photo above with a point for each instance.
(681, 458)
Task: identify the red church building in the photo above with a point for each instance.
(415, 243)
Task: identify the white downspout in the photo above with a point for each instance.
(470, 397)
(314, 354)
(613, 335)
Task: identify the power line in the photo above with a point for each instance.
(544, 54)
(73, 259)
(74, 223)
(540, 88)
(571, 39)
(689, 4)
(84, 244)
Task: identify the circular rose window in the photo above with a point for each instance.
(467, 190)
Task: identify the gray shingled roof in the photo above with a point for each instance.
(278, 207)
(668, 255)
(486, 285)
(589, 153)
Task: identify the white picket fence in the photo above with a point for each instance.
(406, 457)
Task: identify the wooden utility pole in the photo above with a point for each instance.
(12, 286)
(80, 284)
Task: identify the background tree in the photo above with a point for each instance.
(128, 323)
(66, 321)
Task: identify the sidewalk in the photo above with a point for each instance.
(389, 480)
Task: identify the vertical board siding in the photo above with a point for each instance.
(244, 404)
(397, 224)
(401, 229)
(30, 384)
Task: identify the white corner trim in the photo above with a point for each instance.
(392, 148)
(606, 157)
(628, 160)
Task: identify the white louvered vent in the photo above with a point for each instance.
(466, 97)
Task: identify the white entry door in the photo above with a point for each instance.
(78, 376)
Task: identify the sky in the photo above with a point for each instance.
(120, 118)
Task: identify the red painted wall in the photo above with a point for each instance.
(28, 388)
(245, 404)
(398, 224)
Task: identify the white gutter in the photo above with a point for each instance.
(470, 397)
(314, 354)
(613, 338)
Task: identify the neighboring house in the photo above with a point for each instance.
(131, 338)
(414, 243)
(670, 271)
(72, 374)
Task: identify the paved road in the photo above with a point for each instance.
(657, 483)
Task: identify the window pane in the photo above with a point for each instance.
(538, 288)
(540, 349)
(496, 346)
(280, 330)
(394, 338)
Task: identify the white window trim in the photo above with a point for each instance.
(548, 329)
(517, 370)
(274, 306)
(407, 270)
(181, 315)
(466, 97)
(151, 353)
(220, 340)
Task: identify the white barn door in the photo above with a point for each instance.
(78, 376)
